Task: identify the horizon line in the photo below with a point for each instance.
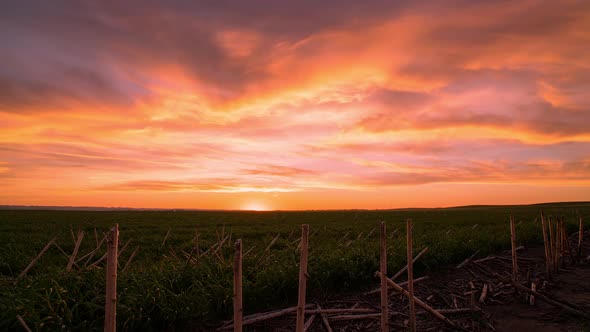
(122, 208)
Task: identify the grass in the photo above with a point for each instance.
(160, 292)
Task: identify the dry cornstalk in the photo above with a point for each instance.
(110, 320)
(75, 253)
(308, 323)
(255, 318)
(23, 323)
(468, 259)
(166, 237)
(405, 283)
(339, 311)
(325, 320)
(268, 248)
(353, 317)
(383, 267)
(400, 272)
(419, 302)
(130, 259)
(96, 236)
(545, 298)
(30, 266)
(453, 311)
(481, 260)
(484, 294)
(300, 324)
(124, 247)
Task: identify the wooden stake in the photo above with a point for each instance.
(238, 310)
(110, 320)
(300, 325)
(514, 257)
(552, 244)
(580, 237)
(384, 286)
(532, 297)
(75, 253)
(484, 294)
(547, 248)
(30, 266)
(412, 305)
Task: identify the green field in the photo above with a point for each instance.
(160, 291)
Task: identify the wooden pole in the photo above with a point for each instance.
(412, 305)
(551, 243)
(384, 286)
(580, 237)
(557, 243)
(514, 257)
(75, 253)
(300, 325)
(547, 248)
(30, 266)
(110, 320)
(238, 309)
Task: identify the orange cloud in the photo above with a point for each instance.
(217, 105)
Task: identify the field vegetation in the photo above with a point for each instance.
(162, 289)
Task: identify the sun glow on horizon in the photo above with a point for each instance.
(255, 206)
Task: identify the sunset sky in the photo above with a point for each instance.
(294, 104)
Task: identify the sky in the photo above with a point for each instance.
(294, 104)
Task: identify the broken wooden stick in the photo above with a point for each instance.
(302, 279)
(383, 267)
(110, 320)
(400, 272)
(412, 305)
(30, 266)
(23, 323)
(166, 237)
(468, 259)
(75, 253)
(238, 309)
(555, 303)
(130, 259)
(325, 320)
(419, 302)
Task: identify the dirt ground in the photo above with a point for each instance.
(504, 308)
(572, 285)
